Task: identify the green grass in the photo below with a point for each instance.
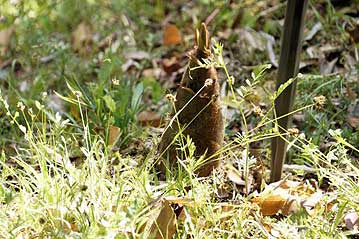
(44, 193)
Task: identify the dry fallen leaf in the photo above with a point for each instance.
(270, 51)
(128, 65)
(74, 227)
(171, 35)
(149, 118)
(329, 206)
(82, 38)
(5, 37)
(183, 215)
(273, 204)
(310, 202)
(165, 225)
(235, 177)
(353, 121)
(114, 134)
(287, 196)
(171, 65)
(70, 227)
(327, 67)
(315, 29)
(269, 205)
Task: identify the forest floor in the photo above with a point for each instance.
(83, 104)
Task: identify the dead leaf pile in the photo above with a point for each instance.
(286, 197)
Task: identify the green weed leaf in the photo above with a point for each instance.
(137, 96)
(110, 103)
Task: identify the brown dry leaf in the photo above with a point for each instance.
(165, 225)
(353, 121)
(70, 227)
(114, 209)
(149, 118)
(81, 38)
(286, 196)
(183, 215)
(224, 207)
(171, 35)
(283, 184)
(171, 65)
(5, 37)
(330, 205)
(269, 205)
(267, 226)
(114, 134)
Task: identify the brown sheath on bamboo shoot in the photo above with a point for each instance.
(200, 110)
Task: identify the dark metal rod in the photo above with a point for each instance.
(291, 46)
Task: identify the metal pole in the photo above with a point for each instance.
(288, 68)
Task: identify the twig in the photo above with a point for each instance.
(212, 16)
(293, 167)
